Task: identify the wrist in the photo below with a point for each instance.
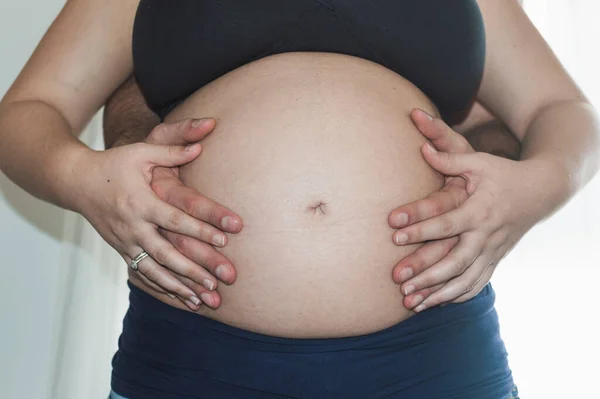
(74, 166)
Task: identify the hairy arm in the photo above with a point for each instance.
(486, 133)
(127, 118)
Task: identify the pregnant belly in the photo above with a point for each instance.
(312, 150)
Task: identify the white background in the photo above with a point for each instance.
(62, 295)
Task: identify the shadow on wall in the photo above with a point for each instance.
(47, 218)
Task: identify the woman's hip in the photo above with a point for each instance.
(446, 352)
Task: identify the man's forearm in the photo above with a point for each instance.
(127, 118)
(486, 133)
(495, 138)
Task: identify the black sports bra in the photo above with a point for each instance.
(439, 45)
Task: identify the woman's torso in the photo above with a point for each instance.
(313, 150)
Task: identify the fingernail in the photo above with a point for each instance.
(400, 219)
(207, 298)
(230, 223)
(409, 290)
(172, 296)
(198, 122)
(420, 308)
(427, 114)
(221, 272)
(430, 147)
(218, 239)
(401, 238)
(405, 274)
(417, 300)
(191, 147)
(195, 300)
(208, 284)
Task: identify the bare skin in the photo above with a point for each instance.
(127, 119)
(66, 81)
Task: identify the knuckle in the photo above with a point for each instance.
(204, 232)
(212, 261)
(459, 196)
(175, 219)
(416, 262)
(214, 212)
(437, 206)
(459, 265)
(181, 242)
(449, 243)
(124, 203)
(469, 287)
(486, 215)
(162, 256)
(137, 148)
(419, 258)
(158, 132)
(184, 125)
(152, 275)
(191, 204)
(159, 189)
(447, 226)
(173, 151)
(187, 272)
(428, 281)
(180, 290)
(491, 215)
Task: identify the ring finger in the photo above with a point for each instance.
(164, 253)
(170, 218)
(462, 285)
(423, 258)
(414, 300)
(161, 277)
(455, 263)
(210, 298)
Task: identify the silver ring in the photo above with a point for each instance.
(138, 259)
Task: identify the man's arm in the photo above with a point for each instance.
(127, 118)
(486, 133)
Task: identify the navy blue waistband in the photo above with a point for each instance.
(456, 349)
(418, 327)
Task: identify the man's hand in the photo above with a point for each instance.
(451, 196)
(216, 219)
(468, 226)
(127, 120)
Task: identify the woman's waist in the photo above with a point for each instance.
(162, 323)
(458, 347)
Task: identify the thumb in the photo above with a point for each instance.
(448, 164)
(440, 134)
(173, 155)
(186, 131)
